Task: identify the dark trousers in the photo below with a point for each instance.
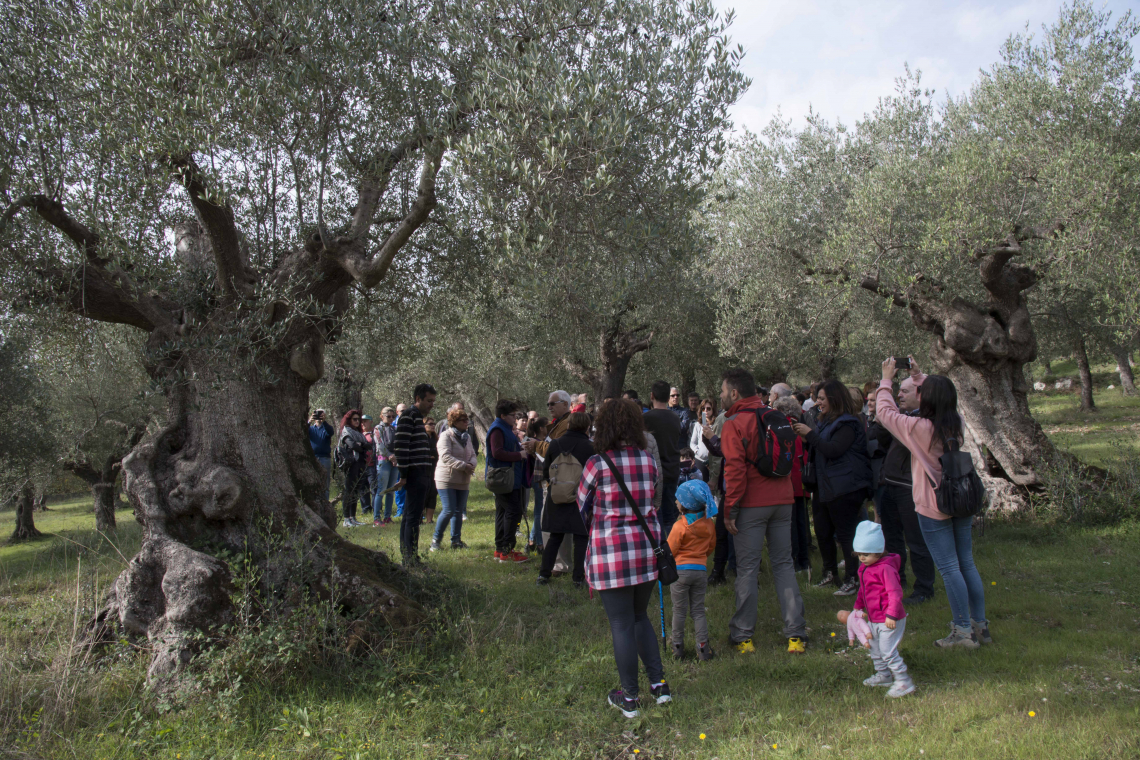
(550, 555)
(418, 480)
(633, 634)
(667, 515)
(835, 521)
(902, 532)
(801, 539)
(725, 552)
(508, 515)
(355, 488)
(370, 470)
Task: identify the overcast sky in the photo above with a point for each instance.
(840, 57)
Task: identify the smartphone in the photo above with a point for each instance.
(704, 418)
(902, 362)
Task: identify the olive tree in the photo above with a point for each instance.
(229, 179)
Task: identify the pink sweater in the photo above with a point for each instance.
(880, 593)
(917, 435)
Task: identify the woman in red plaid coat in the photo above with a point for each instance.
(619, 559)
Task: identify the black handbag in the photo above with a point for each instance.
(807, 473)
(666, 564)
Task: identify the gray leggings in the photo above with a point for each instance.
(688, 594)
(633, 634)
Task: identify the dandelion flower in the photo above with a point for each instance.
(775, 746)
(993, 583)
(1032, 714)
(833, 634)
(702, 737)
(637, 752)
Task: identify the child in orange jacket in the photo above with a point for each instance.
(692, 540)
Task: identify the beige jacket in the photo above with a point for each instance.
(456, 462)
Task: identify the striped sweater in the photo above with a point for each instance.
(411, 445)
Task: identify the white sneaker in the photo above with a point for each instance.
(879, 679)
(464, 518)
(901, 689)
(434, 546)
(348, 523)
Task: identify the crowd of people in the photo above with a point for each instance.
(624, 480)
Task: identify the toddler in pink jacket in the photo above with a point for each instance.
(880, 598)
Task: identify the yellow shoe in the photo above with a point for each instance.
(745, 647)
(796, 646)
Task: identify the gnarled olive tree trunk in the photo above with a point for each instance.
(617, 346)
(25, 523)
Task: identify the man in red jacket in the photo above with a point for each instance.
(756, 508)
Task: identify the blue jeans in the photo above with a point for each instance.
(950, 545)
(401, 500)
(454, 502)
(326, 465)
(536, 528)
(386, 477)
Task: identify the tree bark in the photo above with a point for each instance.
(25, 523)
(617, 347)
(1081, 354)
(983, 348)
(1124, 361)
(829, 359)
(104, 494)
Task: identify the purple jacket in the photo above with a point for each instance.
(880, 592)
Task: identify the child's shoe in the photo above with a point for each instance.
(901, 689)
(879, 679)
(628, 707)
(981, 631)
(678, 650)
(960, 636)
(745, 647)
(434, 546)
(705, 652)
(660, 692)
(796, 645)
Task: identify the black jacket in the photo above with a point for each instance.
(896, 464)
(565, 518)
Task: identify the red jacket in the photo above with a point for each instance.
(743, 484)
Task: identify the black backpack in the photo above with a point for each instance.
(961, 493)
(776, 447)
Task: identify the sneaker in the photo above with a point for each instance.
(434, 546)
(901, 689)
(542, 581)
(960, 636)
(678, 650)
(377, 523)
(981, 631)
(387, 520)
(515, 557)
(717, 578)
(501, 557)
(348, 523)
(705, 652)
(579, 585)
(464, 518)
(660, 692)
(458, 545)
(796, 645)
(628, 707)
(357, 523)
(850, 588)
(842, 564)
(829, 579)
(879, 679)
(915, 599)
(745, 647)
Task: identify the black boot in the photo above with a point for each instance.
(716, 578)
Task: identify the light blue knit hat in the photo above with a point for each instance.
(869, 538)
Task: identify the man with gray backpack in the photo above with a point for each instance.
(562, 468)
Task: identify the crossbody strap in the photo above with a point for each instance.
(632, 503)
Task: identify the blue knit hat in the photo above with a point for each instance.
(869, 538)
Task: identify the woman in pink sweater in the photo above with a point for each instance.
(948, 538)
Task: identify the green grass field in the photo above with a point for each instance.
(519, 671)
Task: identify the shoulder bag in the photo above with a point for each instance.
(666, 565)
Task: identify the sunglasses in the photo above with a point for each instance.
(554, 403)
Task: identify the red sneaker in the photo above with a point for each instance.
(500, 557)
(516, 557)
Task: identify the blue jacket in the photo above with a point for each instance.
(320, 439)
(510, 443)
(851, 471)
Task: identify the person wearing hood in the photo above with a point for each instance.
(352, 447)
(692, 540)
(880, 599)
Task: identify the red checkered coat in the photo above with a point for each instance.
(619, 553)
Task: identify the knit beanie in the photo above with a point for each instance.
(869, 538)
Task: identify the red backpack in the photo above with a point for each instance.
(776, 446)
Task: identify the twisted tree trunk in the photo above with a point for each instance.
(617, 347)
(25, 523)
(1124, 362)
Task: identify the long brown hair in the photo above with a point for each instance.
(839, 401)
(619, 424)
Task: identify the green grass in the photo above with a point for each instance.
(519, 671)
(1104, 437)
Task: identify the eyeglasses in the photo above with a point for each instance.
(553, 403)
(674, 395)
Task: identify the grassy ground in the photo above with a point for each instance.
(520, 671)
